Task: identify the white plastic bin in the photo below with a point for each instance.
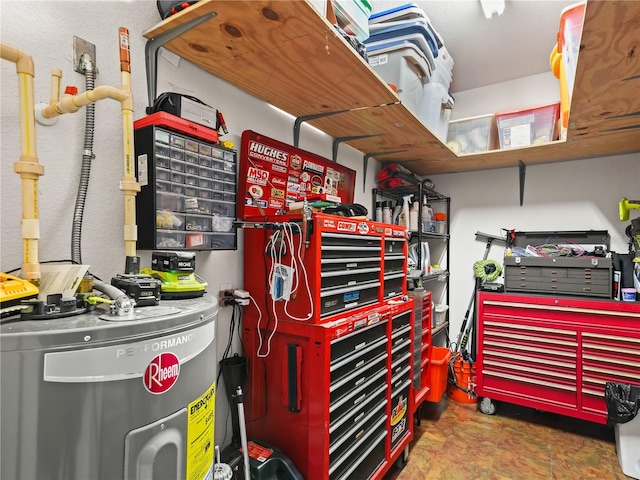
(441, 314)
(628, 447)
(433, 112)
(473, 135)
(406, 68)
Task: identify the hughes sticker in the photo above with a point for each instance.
(270, 154)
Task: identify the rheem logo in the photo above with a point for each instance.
(161, 373)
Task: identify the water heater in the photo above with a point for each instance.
(87, 397)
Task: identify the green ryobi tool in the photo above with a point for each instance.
(176, 271)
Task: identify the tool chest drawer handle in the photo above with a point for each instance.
(527, 348)
(627, 363)
(347, 398)
(608, 372)
(529, 369)
(532, 328)
(533, 338)
(346, 236)
(355, 271)
(400, 331)
(508, 357)
(563, 309)
(519, 378)
(602, 336)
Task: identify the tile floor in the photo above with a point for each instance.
(457, 442)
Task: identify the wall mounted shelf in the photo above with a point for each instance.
(284, 53)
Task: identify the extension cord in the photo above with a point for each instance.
(242, 301)
(241, 293)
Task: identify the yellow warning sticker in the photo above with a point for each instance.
(200, 431)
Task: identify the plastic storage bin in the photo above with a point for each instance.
(435, 109)
(571, 20)
(412, 15)
(528, 127)
(628, 447)
(353, 17)
(473, 134)
(438, 373)
(441, 313)
(405, 67)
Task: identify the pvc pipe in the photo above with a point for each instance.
(28, 167)
(73, 103)
(243, 433)
(129, 186)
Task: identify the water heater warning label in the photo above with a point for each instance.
(200, 431)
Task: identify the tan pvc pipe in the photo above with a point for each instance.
(28, 167)
(130, 187)
(124, 95)
(73, 103)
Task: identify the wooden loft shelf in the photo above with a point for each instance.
(285, 54)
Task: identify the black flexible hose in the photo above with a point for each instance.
(85, 171)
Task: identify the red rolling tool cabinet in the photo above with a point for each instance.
(555, 353)
(336, 397)
(330, 367)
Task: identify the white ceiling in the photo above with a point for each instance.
(514, 45)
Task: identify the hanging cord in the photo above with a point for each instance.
(87, 157)
(452, 378)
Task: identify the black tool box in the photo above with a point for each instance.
(588, 275)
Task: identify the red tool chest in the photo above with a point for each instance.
(556, 353)
(349, 264)
(330, 366)
(335, 397)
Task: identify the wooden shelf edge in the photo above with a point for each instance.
(245, 40)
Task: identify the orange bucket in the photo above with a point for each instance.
(437, 368)
(465, 373)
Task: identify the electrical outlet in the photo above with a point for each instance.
(225, 298)
(82, 47)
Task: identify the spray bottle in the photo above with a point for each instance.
(413, 217)
(404, 217)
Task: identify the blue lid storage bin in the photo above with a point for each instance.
(411, 23)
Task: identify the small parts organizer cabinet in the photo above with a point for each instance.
(188, 183)
(335, 397)
(556, 353)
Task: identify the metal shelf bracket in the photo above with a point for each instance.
(522, 171)
(154, 44)
(339, 140)
(300, 120)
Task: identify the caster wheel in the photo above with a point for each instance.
(487, 406)
(401, 462)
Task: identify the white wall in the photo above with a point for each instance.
(45, 31)
(565, 196)
(574, 195)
